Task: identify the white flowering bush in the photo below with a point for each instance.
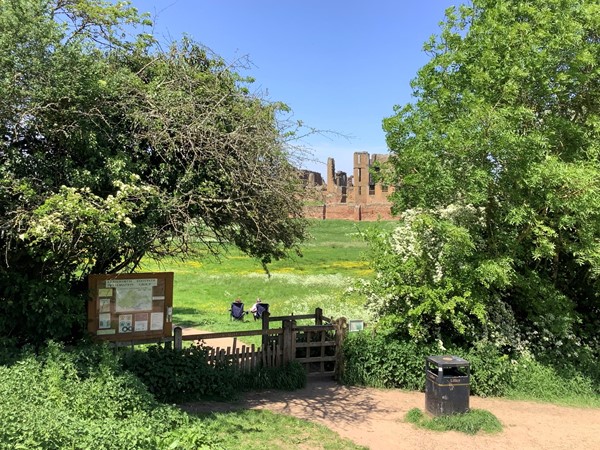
(436, 283)
(425, 278)
(69, 220)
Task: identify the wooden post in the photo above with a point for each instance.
(318, 316)
(323, 338)
(341, 329)
(178, 338)
(265, 326)
(289, 347)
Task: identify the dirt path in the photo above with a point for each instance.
(374, 418)
(218, 342)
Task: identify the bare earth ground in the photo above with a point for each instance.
(375, 418)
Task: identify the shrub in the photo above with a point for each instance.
(178, 376)
(492, 373)
(44, 309)
(381, 361)
(288, 378)
(56, 400)
(8, 350)
(534, 380)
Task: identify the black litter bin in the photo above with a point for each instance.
(447, 385)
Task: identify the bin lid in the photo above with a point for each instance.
(447, 360)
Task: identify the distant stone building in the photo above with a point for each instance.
(355, 197)
(310, 178)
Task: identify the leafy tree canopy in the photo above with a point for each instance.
(113, 149)
(498, 173)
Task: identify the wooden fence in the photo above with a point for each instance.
(317, 347)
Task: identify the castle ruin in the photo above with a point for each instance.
(355, 197)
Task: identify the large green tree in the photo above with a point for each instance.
(113, 148)
(498, 173)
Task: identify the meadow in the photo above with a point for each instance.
(325, 276)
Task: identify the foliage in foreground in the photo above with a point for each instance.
(498, 173)
(386, 362)
(82, 399)
(112, 149)
(184, 376)
(471, 422)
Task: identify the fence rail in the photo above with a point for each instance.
(233, 334)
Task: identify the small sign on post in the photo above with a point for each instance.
(356, 325)
(130, 307)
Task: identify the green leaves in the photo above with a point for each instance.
(112, 148)
(505, 119)
(185, 376)
(82, 399)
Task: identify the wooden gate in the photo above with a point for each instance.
(317, 347)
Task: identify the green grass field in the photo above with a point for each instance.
(324, 276)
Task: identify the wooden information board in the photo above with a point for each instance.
(130, 307)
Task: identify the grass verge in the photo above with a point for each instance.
(471, 422)
(257, 430)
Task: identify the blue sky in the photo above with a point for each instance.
(340, 65)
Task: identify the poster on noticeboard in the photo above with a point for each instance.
(129, 307)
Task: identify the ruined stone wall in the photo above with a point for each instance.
(366, 213)
(314, 212)
(374, 212)
(310, 178)
(338, 196)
